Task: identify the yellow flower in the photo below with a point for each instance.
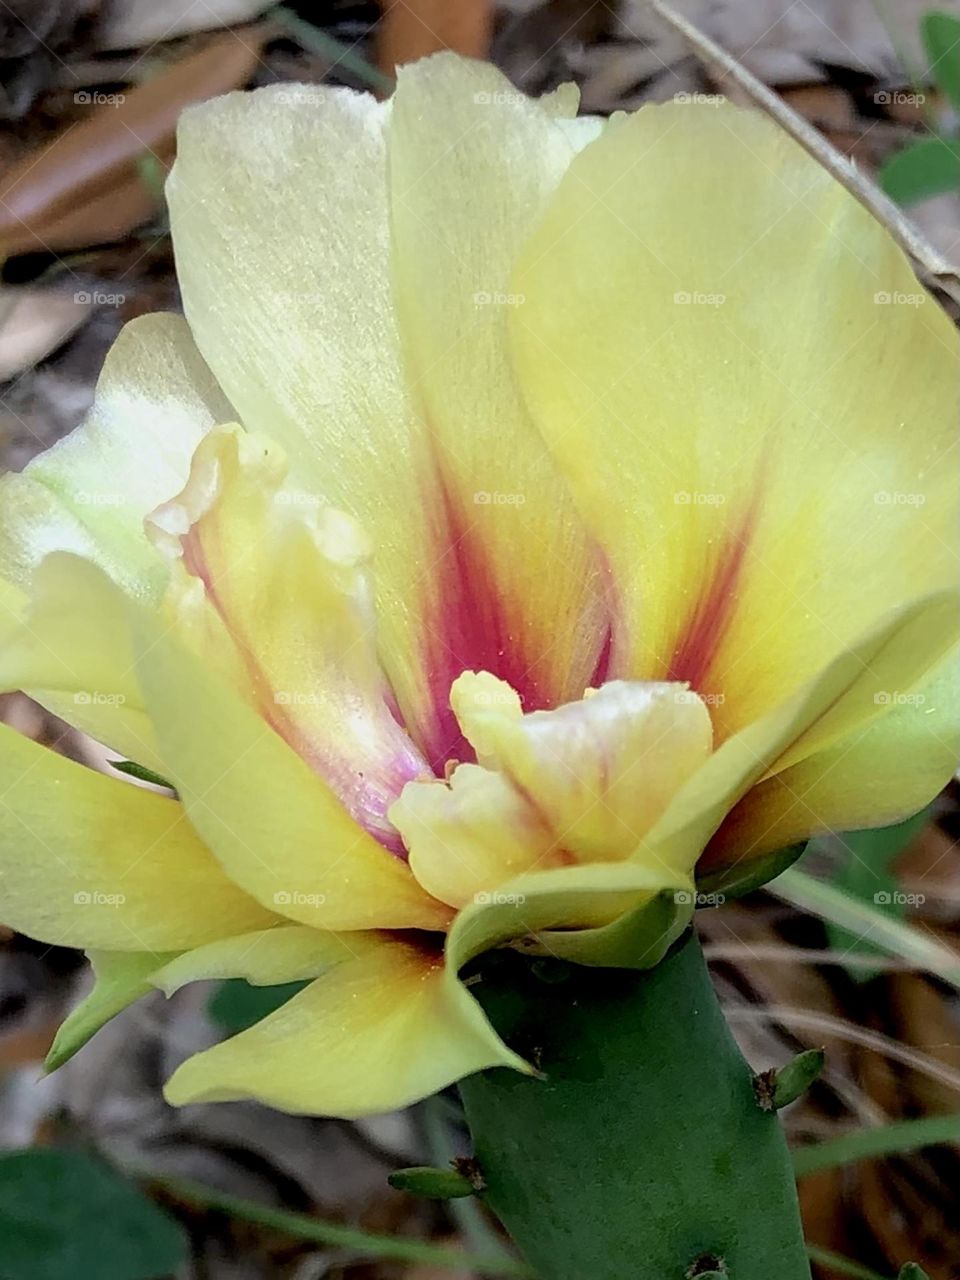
(593, 512)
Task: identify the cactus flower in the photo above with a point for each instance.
(530, 514)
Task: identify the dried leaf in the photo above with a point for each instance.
(85, 187)
(412, 29)
(138, 23)
(34, 322)
(729, 72)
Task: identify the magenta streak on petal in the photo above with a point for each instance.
(366, 794)
(702, 633)
(473, 625)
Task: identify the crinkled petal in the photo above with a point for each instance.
(277, 595)
(89, 492)
(468, 836)
(599, 771)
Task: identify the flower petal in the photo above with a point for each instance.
(599, 771)
(331, 386)
(77, 660)
(375, 1033)
(752, 398)
(278, 596)
(274, 825)
(452, 260)
(624, 914)
(265, 957)
(89, 492)
(877, 775)
(581, 783)
(842, 700)
(467, 837)
(86, 861)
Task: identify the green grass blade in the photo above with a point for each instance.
(844, 1266)
(870, 1144)
(362, 1244)
(895, 937)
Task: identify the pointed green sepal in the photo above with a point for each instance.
(912, 1271)
(435, 1184)
(141, 773)
(778, 1087)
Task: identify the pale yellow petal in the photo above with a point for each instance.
(753, 400)
(277, 597)
(841, 701)
(275, 826)
(375, 1033)
(332, 386)
(89, 492)
(87, 861)
(265, 957)
(875, 776)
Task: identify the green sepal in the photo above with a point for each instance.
(122, 977)
(434, 1184)
(912, 1271)
(141, 773)
(752, 873)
